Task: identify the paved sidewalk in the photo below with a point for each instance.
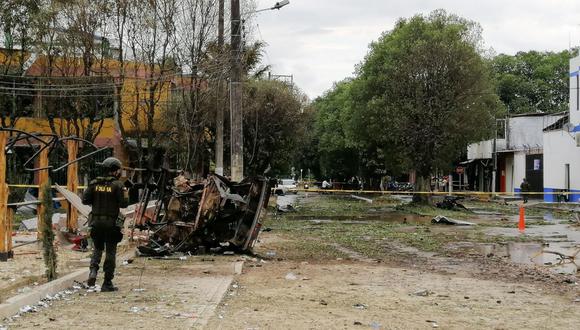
(169, 294)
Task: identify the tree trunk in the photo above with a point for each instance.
(422, 189)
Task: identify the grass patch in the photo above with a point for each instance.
(432, 211)
(368, 239)
(307, 240)
(302, 249)
(339, 206)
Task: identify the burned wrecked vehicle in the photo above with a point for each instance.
(195, 217)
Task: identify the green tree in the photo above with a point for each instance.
(424, 92)
(533, 81)
(306, 156)
(272, 126)
(338, 155)
(18, 25)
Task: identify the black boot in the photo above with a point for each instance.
(92, 277)
(108, 286)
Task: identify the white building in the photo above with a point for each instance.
(562, 146)
(519, 148)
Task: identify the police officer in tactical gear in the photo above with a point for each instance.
(106, 194)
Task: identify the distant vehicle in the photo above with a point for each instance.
(286, 186)
(400, 186)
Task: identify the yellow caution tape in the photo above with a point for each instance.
(34, 186)
(391, 192)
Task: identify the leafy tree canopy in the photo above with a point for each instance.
(424, 92)
(273, 126)
(533, 81)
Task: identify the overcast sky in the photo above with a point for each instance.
(320, 41)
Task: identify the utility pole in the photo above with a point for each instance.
(494, 173)
(219, 140)
(236, 133)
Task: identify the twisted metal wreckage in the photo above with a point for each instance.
(191, 217)
(199, 216)
(186, 216)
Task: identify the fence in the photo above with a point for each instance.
(25, 160)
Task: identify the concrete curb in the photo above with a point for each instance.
(12, 305)
(216, 297)
(213, 300)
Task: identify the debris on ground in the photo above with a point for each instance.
(285, 203)
(433, 323)
(451, 203)
(443, 220)
(291, 277)
(375, 325)
(285, 208)
(368, 200)
(576, 220)
(46, 302)
(32, 223)
(564, 258)
(422, 293)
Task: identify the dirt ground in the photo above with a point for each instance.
(169, 294)
(425, 293)
(27, 269)
(339, 264)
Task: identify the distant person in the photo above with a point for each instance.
(525, 188)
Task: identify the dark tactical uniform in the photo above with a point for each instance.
(106, 196)
(525, 187)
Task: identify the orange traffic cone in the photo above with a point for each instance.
(522, 223)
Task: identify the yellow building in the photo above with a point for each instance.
(43, 85)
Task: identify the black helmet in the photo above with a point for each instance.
(111, 164)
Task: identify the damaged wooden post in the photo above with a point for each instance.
(42, 179)
(72, 184)
(5, 220)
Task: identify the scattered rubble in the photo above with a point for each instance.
(360, 306)
(422, 293)
(451, 203)
(45, 302)
(443, 220)
(291, 277)
(368, 200)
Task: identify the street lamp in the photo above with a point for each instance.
(277, 5)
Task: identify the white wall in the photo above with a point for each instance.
(519, 168)
(526, 132)
(560, 145)
(560, 149)
(574, 72)
(484, 149)
(509, 169)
